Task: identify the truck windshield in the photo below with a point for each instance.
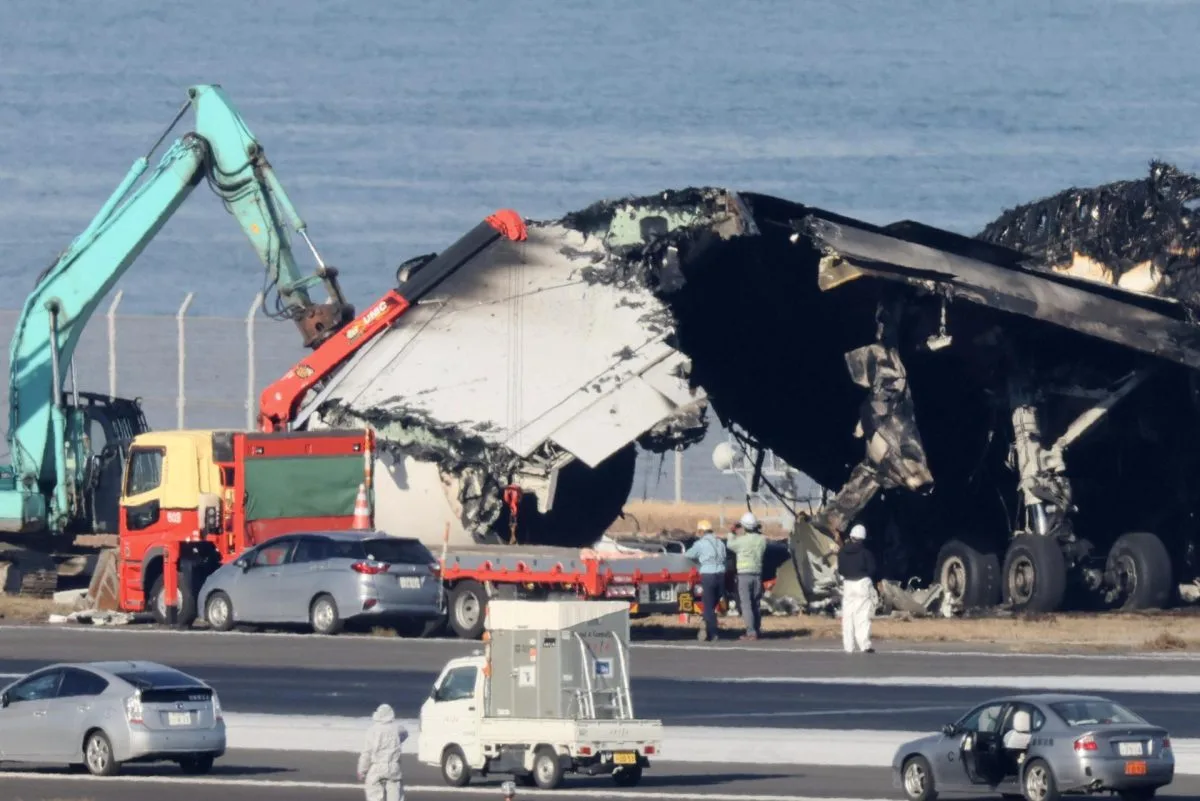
(396, 551)
(1092, 713)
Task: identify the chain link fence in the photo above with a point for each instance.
(193, 371)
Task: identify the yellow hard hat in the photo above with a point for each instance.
(704, 525)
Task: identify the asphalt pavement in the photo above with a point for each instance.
(680, 685)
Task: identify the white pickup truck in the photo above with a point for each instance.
(466, 731)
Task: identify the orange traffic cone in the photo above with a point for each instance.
(362, 512)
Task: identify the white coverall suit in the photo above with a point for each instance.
(856, 564)
(379, 762)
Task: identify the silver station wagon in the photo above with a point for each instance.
(325, 580)
(98, 715)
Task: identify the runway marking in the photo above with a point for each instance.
(562, 791)
(802, 650)
(820, 713)
(1164, 684)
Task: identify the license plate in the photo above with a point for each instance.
(1129, 749)
(410, 582)
(665, 594)
(1135, 768)
(685, 602)
(179, 718)
(625, 758)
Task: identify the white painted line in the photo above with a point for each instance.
(563, 791)
(1079, 683)
(866, 748)
(820, 713)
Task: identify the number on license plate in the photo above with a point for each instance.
(1129, 749)
(410, 583)
(1135, 768)
(179, 718)
(625, 758)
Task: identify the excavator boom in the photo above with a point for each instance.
(37, 492)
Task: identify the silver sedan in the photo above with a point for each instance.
(1039, 746)
(97, 715)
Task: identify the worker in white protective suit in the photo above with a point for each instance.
(379, 762)
(856, 565)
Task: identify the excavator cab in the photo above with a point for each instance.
(100, 429)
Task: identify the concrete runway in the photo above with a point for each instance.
(691, 685)
(246, 775)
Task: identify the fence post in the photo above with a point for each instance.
(679, 475)
(250, 380)
(112, 343)
(181, 395)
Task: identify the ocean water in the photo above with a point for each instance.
(395, 126)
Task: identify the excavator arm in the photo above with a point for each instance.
(280, 402)
(36, 492)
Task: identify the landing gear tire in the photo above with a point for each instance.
(455, 770)
(1140, 568)
(468, 601)
(547, 770)
(323, 616)
(970, 577)
(917, 778)
(1035, 574)
(627, 775)
(185, 601)
(1038, 782)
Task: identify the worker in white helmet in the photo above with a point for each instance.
(856, 566)
(749, 546)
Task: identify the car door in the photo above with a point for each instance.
(299, 577)
(25, 731)
(72, 711)
(975, 749)
(451, 713)
(259, 598)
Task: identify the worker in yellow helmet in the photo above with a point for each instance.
(709, 550)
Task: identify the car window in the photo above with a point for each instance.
(1036, 718)
(77, 683)
(1091, 713)
(41, 687)
(156, 678)
(984, 719)
(145, 470)
(458, 684)
(309, 549)
(273, 555)
(396, 551)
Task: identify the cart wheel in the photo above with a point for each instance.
(627, 775)
(547, 770)
(455, 769)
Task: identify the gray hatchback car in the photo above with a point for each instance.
(98, 715)
(1039, 746)
(325, 579)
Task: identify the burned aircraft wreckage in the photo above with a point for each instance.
(1017, 414)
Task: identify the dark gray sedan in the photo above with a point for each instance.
(325, 579)
(1039, 747)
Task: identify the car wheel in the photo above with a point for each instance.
(1035, 574)
(547, 770)
(917, 779)
(196, 764)
(969, 576)
(468, 602)
(98, 755)
(323, 616)
(1140, 568)
(627, 775)
(455, 770)
(218, 611)
(1038, 782)
(186, 600)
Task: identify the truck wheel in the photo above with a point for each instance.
(1140, 568)
(455, 769)
(969, 576)
(1035, 574)
(627, 775)
(323, 616)
(468, 602)
(547, 770)
(185, 598)
(218, 612)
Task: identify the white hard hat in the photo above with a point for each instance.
(749, 521)
(859, 532)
